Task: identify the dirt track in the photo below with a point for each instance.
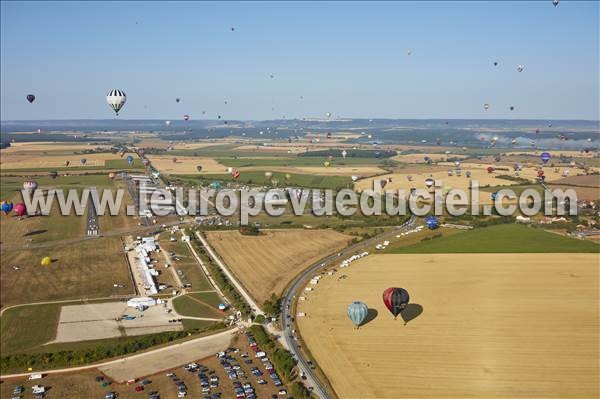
(492, 325)
(144, 364)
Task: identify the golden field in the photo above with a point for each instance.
(492, 326)
(268, 262)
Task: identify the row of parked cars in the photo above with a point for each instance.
(266, 363)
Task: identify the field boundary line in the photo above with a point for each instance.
(247, 297)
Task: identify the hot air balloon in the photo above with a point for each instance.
(357, 313)
(130, 160)
(468, 174)
(555, 2)
(432, 222)
(199, 168)
(168, 123)
(30, 186)
(67, 162)
(186, 117)
(235, 174)
(268, 174)
(395, 299)
(82, 161)
(46, 260)
(545, 157)
(116, 100)
(494, 195)
(174, 160)
(6, 207)
(288, 176)
(490, 169)
(408, 52)
(53, 174)
(216, 184)
(344, 153)
(486, 106)
(326, 164)
(495, 63)
(328, 114)
(112, 175)
(30, 98)
(354, 178)
(177, 100)
(20, 209)
(429, 182)
(512, 108)
(520, 67)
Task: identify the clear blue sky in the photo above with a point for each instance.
(349, 59)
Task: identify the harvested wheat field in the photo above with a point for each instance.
(479, 326)
(361, 171)
(32, 160)
(420, 158)
(41, 146)
(266, 263)
(185, 165)
(478, 172)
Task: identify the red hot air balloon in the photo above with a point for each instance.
(19, 209)
(186, 117)
(30, 98)
(395, 299)
(490, 169)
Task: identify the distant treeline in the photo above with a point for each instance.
(350, 153)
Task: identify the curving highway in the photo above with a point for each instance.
(318, 388)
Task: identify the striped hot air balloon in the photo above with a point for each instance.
(116, 100)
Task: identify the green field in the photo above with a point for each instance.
(27, 327)
(505, 238)
(212, 298)
(192, 273)
(188, 305)
(259, 178)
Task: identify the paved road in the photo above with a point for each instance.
(318, 388)
(92, 225)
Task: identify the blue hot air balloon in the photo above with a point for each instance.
(130, 160)
(216, 185)
(6, 207)
(432, 222)
(545, 157)
(494, 195)
(358, 312)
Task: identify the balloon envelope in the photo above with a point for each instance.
(19, 209)
(395, 299)
(46, 261)
(116, 99)
(357, 312)
(30, 98)
(6, 207)
(545, 157)
(432, 222)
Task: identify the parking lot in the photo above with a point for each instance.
(200, 379)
